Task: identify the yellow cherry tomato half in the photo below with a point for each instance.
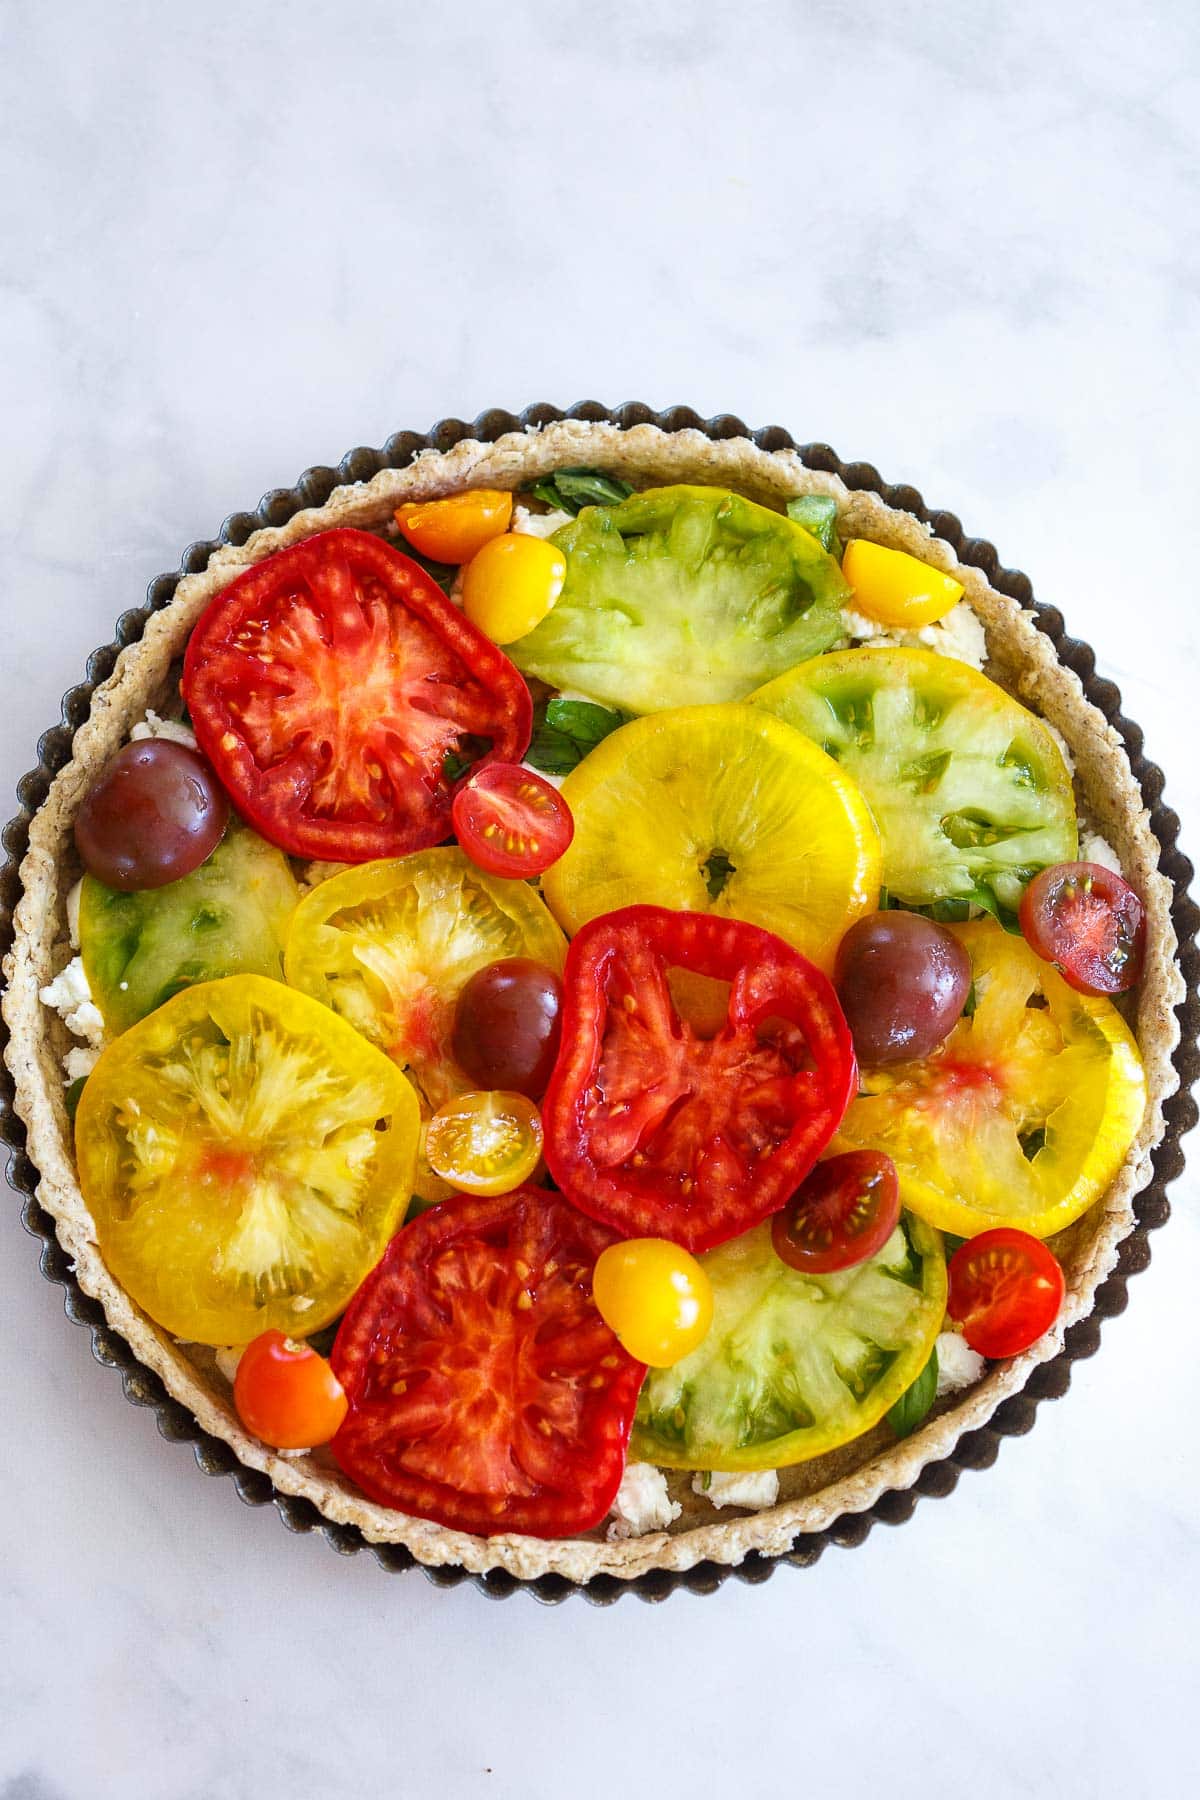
(485, 1143)
(455, 529)
(895, 588)
(655, 1297)
(511, 585)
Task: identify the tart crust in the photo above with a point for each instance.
(812, 1494)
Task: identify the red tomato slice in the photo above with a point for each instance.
(843, 1212)
(1005, 1290)
(511, 822)
(660, 1132)
(1090, 922)
(486, 1392)
(329, 684)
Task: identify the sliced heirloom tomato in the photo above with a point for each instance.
(1023, 1115)
(680, 596)
(794, 1364)
(721, 809)
(969, 790)
(486, 1392)
(229, 917)
(511, 822)
(661, 1132)
(245, 1157)
(330, 684)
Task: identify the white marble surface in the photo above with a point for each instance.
(958, 240)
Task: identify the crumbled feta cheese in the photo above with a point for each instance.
(73, 899)
(959, 635)
(539, 524)
(1094, 848)
(753, 1490)
(958, 1365)
(642, 1503)
(1063, 745)
(78, 1064)
(227, 1358)
(172, 729)
(71, 998)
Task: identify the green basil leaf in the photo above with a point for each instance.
(71, 1097)
(570, 490)
(915, 1401)
(817, 514)
(950, 1243)
(565, 730)
(464, 756)
(445, 574)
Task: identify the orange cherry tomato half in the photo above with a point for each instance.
(511, 822)
(452, 530)
(287, 1394)
(844, 1211)
(485, 1143)
(1005, 1290)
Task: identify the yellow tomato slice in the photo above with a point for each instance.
(720, 809)
(1025, 1113)
(485, 1143)
(245, 1157)
(895, 588)
(391, 945)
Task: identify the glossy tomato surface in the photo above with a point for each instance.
(329, 686)
(287, 1394)
(486, 1392)
(152, 817)
(1005, 1291)
(663, 1133)
(507, 1023)
(1088, 920)
(843, 1212)
(511, 822)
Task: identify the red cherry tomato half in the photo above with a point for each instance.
(1005, 1291)
(844, 1212)
(486, 1391)
(511, 822)
(333, 686)
(1090, 922)
(286, 1394)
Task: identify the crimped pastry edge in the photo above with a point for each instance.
(1020, 655)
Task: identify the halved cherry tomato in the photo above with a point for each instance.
(286, 1394)
(511, 822)
(844, 1211)
(1087, 920)
(452, 530)
(485, 1143)
(656, 1297)
(661, 1132)
(329, 684)
(512, 584)
(895, 588)
(486, 1392)
(1005, 1291)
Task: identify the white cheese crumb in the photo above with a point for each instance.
(539, 524)
(174, 730)
(292, 1454)
(642, 1503)
(1097, 849)
(1063, 745)
(70, 995)
(958, 1365)
(753, 1489)
(959, 635)
(227, 1358)
(78, 1064)
(73, 899)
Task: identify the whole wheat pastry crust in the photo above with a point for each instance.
(813, 1494)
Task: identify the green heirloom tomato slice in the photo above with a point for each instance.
(680, 596)
(969, 791)
(245, 1157)
(794, 1365)
(229, 917)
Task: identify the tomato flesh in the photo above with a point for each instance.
(286, 1394)
(1005, 1291)
(486, 1392)
(511, 822)
(661, 1132)
(485, 1143)
(328, 686)
(1087, 920)
(844, 1212)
